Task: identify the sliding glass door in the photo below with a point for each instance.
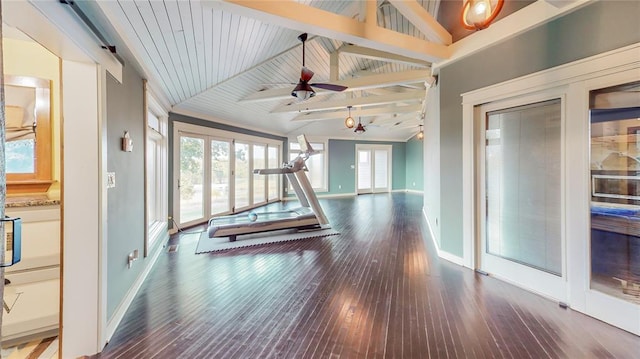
(522, 236)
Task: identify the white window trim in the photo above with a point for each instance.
(208, 132)
(159, 229)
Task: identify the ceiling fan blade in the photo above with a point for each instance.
(330, 87)
(306, 74)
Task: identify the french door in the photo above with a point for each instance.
(373, 170)
(521, 197)
(215, 175)
(191, 183)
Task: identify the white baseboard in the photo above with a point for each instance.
(441, 254)
(336, 195)
(112, 325)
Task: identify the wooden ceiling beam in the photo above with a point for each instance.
(343, 113)
(304, 18)
(309, 106)
(372, 54)
(353, 84)
(423, 21)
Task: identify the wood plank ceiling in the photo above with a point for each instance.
(208, 60)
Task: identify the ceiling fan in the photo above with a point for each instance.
(303, 89)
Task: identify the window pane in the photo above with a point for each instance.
(259, 181)
(364, 170)
(523, 157)
(220, 174)
(152, 176)
(273, 180)
(242, 175)
(191, 178)
(315, 164)
(381, 165)
(20, 156)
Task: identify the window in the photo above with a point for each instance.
(28, 134)
(316, 164)
(156, 173)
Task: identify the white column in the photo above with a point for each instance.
(81, 210)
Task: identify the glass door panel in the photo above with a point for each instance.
(273, 192)
(191, 179)
(615, 198)
(381, 171)
(242, 175)
(259, 181)
(364, 171)
(523, 237)
(220, 176)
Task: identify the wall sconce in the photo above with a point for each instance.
(360, 129)
(420, 134)
(479, 14)
(349, 122)
(127, 142)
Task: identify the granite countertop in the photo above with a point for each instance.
(30, 201)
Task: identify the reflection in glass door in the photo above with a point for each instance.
(220, 176)
(191, 179)
(259, 181)
(273, 192)
(242, 175)
(522, 236)
(615, 195)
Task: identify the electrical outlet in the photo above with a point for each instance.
(339, 186)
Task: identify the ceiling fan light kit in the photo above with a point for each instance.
(479, 14)
(303, 89)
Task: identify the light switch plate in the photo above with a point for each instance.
(111, 179)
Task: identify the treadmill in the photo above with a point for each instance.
(308, 216)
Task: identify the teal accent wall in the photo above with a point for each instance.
(596, 28)
(342, 155)
(415, 164)
(125, 202)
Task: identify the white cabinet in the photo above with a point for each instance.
(33, 294)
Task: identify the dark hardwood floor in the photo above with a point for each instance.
(377, 290)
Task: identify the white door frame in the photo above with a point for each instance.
(372, 149)
(577, 78)
(536, 280)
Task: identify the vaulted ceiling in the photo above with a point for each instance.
(236, 61)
